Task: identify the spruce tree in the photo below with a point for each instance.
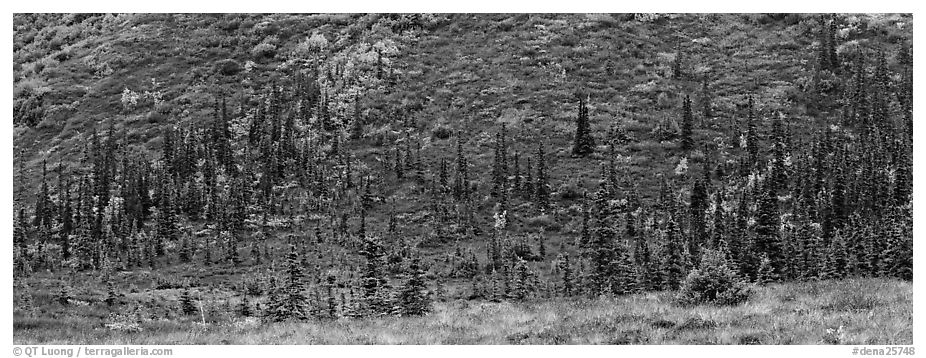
(601, 253)
(244, 307)
(523, 288)
(584, 143)
(687, 142)
(112, 298)
(187, 303)
(768, 237)
(836, 260)
(706, 106)
(566, 274)
(461, 179)
(289, 301)
(25, 302)
(413, 299)
(64, 296)
(673, 265)
(373, 280)
(541, 187)
(500, 166)
(766, 272)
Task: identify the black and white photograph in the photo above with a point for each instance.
(460, 178)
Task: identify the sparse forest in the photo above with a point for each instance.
(248, 173)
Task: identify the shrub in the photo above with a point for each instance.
(228, 67)
(315, 44)
(571, 190)
(264, 50)
(713, 282)
(442, 133)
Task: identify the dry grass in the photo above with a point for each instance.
(870, 311)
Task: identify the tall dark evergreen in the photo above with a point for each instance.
(673, 264)
(541, 186)
(375, 288)
(768, 236)
(687, 142)
(583, 143)
(289, 300)
(413, 299)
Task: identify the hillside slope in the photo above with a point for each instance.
(353, 165)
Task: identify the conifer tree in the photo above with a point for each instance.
(185, 253)
(566, 274)
(687, 142)
(244, 307)
(903, 187)
(25, 302)
(768, 237)
(836, 260)
(461, 180)
(372, 279)
(187, 303)
(752, 138)
(413, 299)
(600, 252)
(356, 129)
(496, 289)
(859, 100)
(516, 173)
(896, 258)
(522, 281)
(584, 143)
(541, 187)
(112, 298)
(673, 265)
(706, 105)
(779, 173)
(289, 301)
(677, 63)
(766, 272)
(698, 206)
(500, 167)
(527, 188)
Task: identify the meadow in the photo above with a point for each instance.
(851, 311)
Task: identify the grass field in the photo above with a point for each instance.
(855, 311)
